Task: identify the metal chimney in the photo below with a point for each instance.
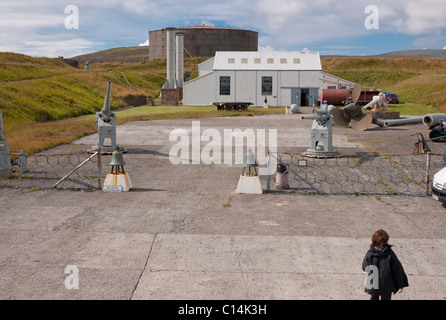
(179, 60)
(170, 43)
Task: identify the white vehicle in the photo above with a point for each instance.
(439, 186)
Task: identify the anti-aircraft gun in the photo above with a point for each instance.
(106, 122)
(321, 134)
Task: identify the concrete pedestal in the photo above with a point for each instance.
(249, 185)
(117, 183)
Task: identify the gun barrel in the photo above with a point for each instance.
(312, 117)
(433, 120)
(106, 108)
(401, 122)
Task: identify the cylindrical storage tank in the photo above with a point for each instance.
(334, 96)
(204, 41)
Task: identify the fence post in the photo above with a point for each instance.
(428, 168)
(99, 169)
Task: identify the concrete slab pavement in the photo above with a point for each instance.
(183, 232)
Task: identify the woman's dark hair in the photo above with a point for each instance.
(380, 238)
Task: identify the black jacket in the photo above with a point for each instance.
(391, 273)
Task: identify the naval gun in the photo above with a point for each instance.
(106, 122)
(321, 134)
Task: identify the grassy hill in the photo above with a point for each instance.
(46, 89)
(42, 99)
(121, 54)
(414, 80)
(420, 53)
(45, 102)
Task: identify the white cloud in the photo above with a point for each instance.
(282, 24)
(140, 7)
(144, 44)
(266, 48)
(421, 17)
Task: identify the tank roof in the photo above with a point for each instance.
(205, 27)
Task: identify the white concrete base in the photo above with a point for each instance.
(117, 183)
(249, 184)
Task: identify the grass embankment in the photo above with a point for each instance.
(45, 102)
(38, 136)
(44, 89)
(418, 82)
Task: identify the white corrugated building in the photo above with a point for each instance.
(282, 77)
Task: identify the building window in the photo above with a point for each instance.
(296, 61)
(267, 86)
(225, 86)
(283, 61)
(244, 60)
(231, 60)
(331, 87)
(257, 60)
(270, 61)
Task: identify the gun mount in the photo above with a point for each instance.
(106, 122)
(321, 134)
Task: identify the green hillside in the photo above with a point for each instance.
(41, 99)
(414, 80)
(45, 89)
(121, 54)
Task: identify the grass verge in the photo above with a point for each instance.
(34, 137)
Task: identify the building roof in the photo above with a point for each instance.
(274, 60)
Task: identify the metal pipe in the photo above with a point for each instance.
(75, 169)
(170, 43)
(401, 122)
(106, 108)
(433, 120)
(428, 167)
(378, 122)
(179, 60)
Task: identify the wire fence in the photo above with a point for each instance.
(74, 171)
(361, 174)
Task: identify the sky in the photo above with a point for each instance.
(68, 28)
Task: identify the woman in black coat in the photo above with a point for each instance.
(385, 272)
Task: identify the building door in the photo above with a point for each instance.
(313, 96)
(304, 97)
(295, 94)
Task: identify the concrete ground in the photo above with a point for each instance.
(184, 233)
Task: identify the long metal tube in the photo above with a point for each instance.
(401, 122)
(170, 43)
(378, 122)
(179, 60)
(106, 108)
(433, 120)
